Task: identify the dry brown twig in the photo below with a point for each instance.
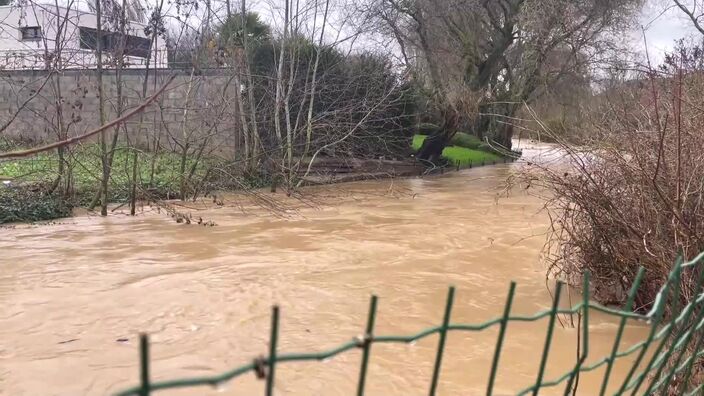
(630, 194)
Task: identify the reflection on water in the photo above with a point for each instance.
(74, 296)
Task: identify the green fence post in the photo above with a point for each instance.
(144, 364)
(685, 322)
(690, 365)
(441, 342)
(500, 340)
(646, 345)
(669, 332)
(659, 354)
(683, 350)
(574, 377)
(272, 350)
(367, 344)
(673, 279)
(622, 325)
(548, 339)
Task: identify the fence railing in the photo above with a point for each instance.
(676, 344)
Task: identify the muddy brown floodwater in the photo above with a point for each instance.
(75, 295)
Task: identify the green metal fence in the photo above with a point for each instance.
(676, 345)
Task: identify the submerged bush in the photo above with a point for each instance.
(30, 203)
(632, 195)
(466, 140)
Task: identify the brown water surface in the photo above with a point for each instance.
(75, 295)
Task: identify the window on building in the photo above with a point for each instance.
(88, 38)
(111, 42)
(137, 46)
(31, 32)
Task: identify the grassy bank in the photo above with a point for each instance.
(29, 189)
(465, 150)
(29, 192)
(31, 204)
(160, 172)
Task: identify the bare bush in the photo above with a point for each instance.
(631, 195)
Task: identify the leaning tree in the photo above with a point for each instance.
(480, 61)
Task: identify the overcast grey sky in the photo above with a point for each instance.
(662, 21)
(663, 24)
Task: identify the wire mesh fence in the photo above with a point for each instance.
(665, 362)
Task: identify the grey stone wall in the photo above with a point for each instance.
(192, 108)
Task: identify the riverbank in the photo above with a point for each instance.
(464, 151)
(29, 190)
(47, 186)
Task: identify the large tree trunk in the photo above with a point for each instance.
(504, 130)
(495, 124)
(504, 135)
(432, 147)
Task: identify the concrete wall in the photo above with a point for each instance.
(191, 109)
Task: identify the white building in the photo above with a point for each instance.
(31, 36)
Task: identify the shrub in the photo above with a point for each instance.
(485, 147)
(417, 142)
(466, 140)
(630, 196)
(558, 129)
(30, 203)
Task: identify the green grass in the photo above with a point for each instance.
(462, 155)
(416, 144)
(87, 169)
(25, 204)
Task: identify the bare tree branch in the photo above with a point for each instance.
(127, 116)
(690, 14)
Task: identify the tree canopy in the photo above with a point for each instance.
(231, 32)
(480, 57)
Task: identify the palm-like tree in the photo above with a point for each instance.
(231, 30)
